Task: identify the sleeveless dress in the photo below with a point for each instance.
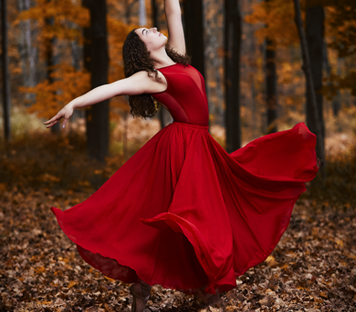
(182, 212)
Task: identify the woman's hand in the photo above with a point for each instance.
(65, 113)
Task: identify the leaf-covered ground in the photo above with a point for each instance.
(313, 268)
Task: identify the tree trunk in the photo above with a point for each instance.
(96, 61)
(271, 84)
(5, 74)
(161, 110)
(28, 51)
(271, 87)
(49, 45)
(129, 7)
(335, 103)
(315, 40)
(232, 46)
(313, 107)
(194, 32)
(193, 21)
(142, 12)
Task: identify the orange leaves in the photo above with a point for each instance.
(49, 178)
(40, 269)
(71, 284)
(336, 82)
(61, 11)
(50, 98)
(109, 279)
(271, 261)
(64, 20)
(341, 26)
(277, 22)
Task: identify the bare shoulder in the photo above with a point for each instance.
(142, 82)
(155, 82)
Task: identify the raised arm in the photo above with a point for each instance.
(175, 27)
(138, 83)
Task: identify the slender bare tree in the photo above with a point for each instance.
(194, 38)
(314, 116)
(96, 60)
(315, 39)
(154, 10)
(232, 46)
(5, 74)
(271, 83)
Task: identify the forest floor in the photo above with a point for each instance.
(313, 267)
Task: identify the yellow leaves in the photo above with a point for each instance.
(317, 299)
(71, 284)
(40, 269)
(339, 242)
(109, 279)
(271, 261)
(46, 177)
(284, 267)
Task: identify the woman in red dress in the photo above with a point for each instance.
(182, 212)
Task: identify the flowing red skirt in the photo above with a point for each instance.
(185, 214)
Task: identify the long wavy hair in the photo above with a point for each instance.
(137, 58)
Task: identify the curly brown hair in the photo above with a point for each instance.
(136, 58)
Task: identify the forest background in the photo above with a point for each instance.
(49, 55)
(50, 64)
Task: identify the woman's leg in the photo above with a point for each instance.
(141, 293)
(208, 299)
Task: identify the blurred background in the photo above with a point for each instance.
(248, 51)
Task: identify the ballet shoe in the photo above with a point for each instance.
(140, 292)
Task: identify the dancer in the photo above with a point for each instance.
(182, 212)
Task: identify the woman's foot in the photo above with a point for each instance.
(141, 293)
(208, 299)
(211, 299)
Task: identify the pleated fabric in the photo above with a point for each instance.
(185, 214)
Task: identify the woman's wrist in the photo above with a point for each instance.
(75, 103)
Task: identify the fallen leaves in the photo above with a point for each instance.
(41, 270)
(313, 267)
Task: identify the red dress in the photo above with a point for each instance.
(182, 212)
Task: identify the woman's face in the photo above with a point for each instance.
(152, 38)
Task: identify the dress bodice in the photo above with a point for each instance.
(185, 96)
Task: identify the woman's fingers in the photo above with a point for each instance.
(52, 124)
(65, 113)
(50, 120)
(56, 117)
(64, 122)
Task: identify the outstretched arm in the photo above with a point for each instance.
(175, 27)
(138, 83)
